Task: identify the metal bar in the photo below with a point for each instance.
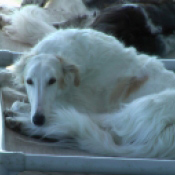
(10, 163)
(13, 173)
(8, 57)
(169, 63)
(2, 127)
(14, 162)
(108, 165)
(4, 171)
(88, 164)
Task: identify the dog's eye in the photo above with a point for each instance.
(29, 81)
(52, 81)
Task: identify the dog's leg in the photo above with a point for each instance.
(19, 122)
(69, 124)
(16, 108)
(63, 124)
(21, 107)
(18, 119)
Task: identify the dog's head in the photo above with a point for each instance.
(45, 77)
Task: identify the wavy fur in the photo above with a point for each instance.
(106, 69)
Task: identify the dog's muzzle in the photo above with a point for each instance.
(38, 119)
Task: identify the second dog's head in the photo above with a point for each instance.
(45, 77)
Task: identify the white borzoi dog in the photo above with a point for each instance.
(76, 80)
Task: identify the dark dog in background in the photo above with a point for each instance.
(147, 25)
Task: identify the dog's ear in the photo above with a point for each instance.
(69, 68)
(18, 69)
(74, 70)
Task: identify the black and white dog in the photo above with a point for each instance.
(147, 25)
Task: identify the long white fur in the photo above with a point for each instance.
(24, 24)
(84, 110)
(6, 13)
(32, 23)
(144, 128)
(101, 61)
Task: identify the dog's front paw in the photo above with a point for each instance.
(9, 113)
(21, 107)
(13, 124)
(19, 122)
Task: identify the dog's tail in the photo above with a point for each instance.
(90, 136)
(29, 25)
(95, 134)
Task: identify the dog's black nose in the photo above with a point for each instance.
(39, 119)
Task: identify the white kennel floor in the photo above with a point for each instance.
(19, 154)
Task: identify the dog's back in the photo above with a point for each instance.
(106, 65)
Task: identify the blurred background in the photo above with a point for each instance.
(10, 2)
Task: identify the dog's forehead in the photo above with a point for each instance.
(43, 58)
(42, 64)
